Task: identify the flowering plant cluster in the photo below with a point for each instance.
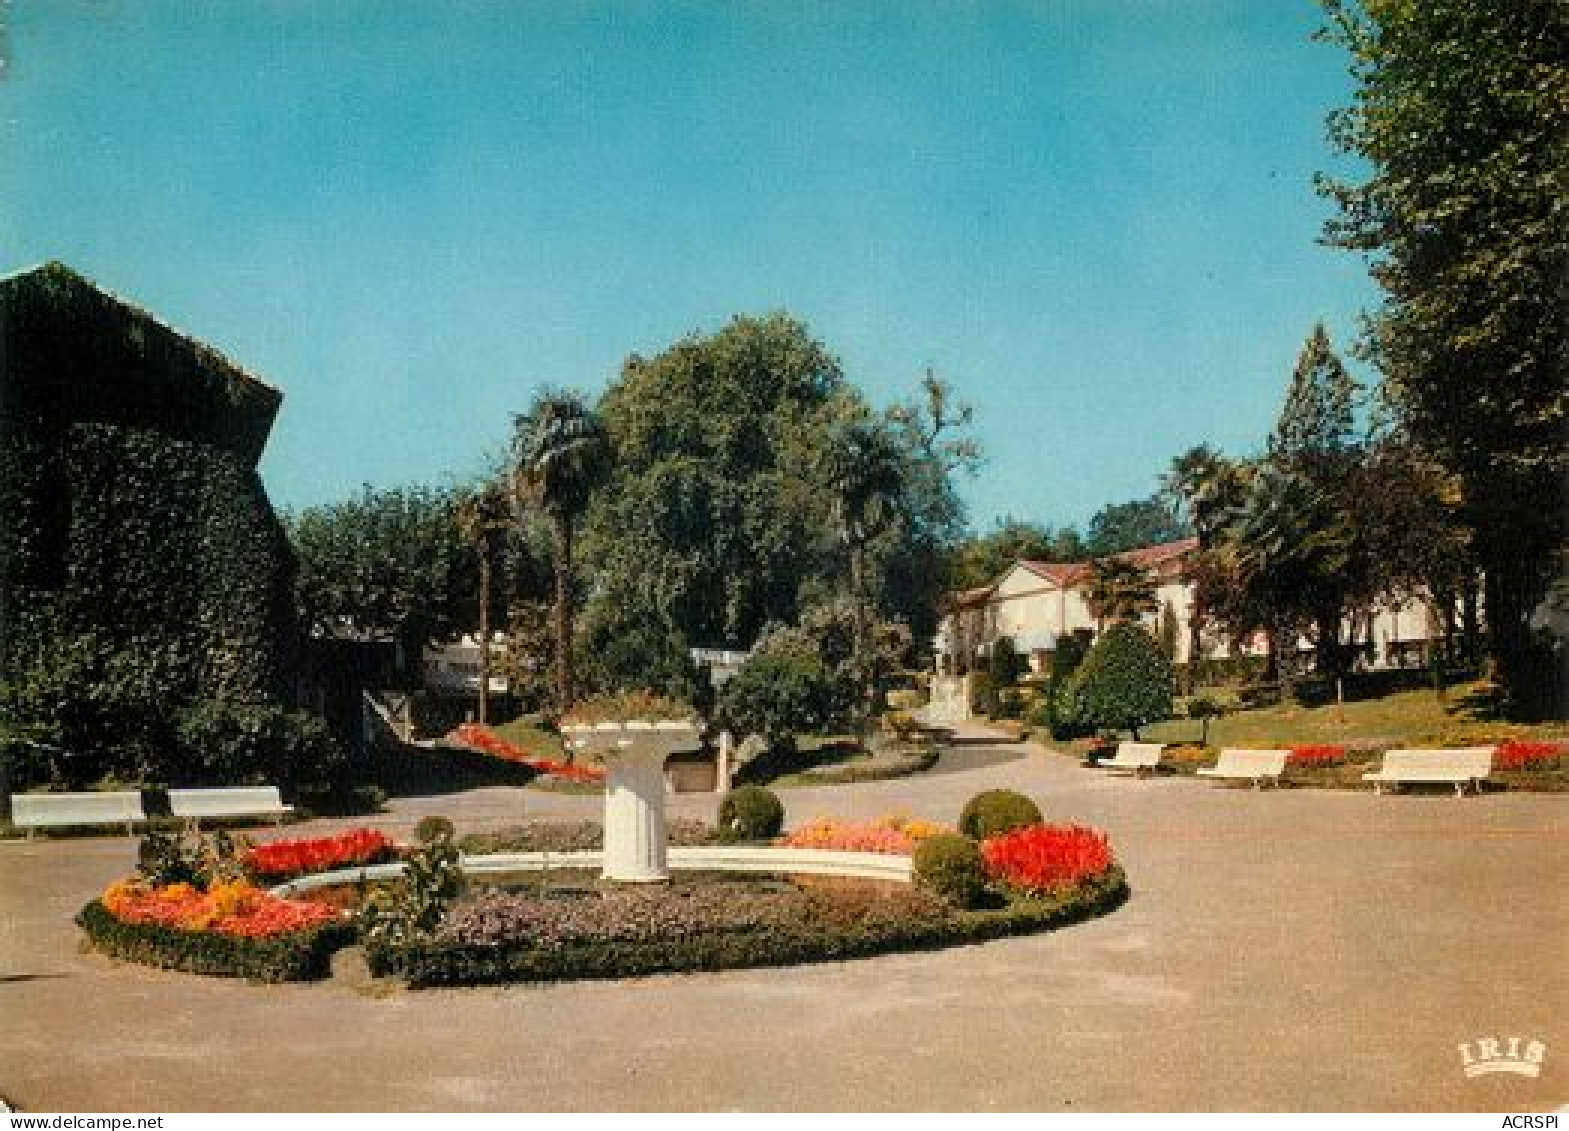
(285, 859)
(1045, 858)
(893, 835)
(488, 741)
(658, 915)
(232, 908)
(1519, 755)
(627, 706)
(1322, 754)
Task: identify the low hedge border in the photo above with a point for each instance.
(916, 762)
(294, 957)
(434, 965)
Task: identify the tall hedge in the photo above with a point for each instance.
(142, 569)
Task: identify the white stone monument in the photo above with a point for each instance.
(634, 754)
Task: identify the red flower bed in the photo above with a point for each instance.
(1046, 858)
(489, 742)
(227, 909)
(283, 859)
(1529, 755)
(1324, 754)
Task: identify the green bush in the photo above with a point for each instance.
(983, 694)
(235, 743)
(777, 695)
(750, 813)
(1068, 655)
(1004, 664)
(433, 828)
(394, 919)
(997, 811)
(339, 799)
(950, 865)
(1124, 683)
(291, 957)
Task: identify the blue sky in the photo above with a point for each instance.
(1094, 217)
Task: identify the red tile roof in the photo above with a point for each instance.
(1162, 559)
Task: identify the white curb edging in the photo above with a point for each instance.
(715, 858)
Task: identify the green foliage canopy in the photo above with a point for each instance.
(1461, 115)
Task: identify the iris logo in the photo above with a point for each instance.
(1487, 1055)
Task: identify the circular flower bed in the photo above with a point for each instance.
(432, 928)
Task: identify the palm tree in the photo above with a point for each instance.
(480, 516)
(1207, 489)
(1116, 589)
(1293, 549)
(560, 455)
(864, 472)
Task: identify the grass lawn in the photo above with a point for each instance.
(1405, 718)
(1367, 727)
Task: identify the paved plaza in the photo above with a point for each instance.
(1282, 950)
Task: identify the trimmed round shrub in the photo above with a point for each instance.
(750, 813)
(950, 865)
(432, 827)
(997, 811)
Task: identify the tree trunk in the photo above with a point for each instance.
(1327, 646)
(561, 613)
(1508, 636)
(484, 632)
(858, 624)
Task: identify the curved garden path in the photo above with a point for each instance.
(1283, 950)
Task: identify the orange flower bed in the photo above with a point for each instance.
(236, 908)
(894, 836)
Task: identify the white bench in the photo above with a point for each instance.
(1257, 766)
(1459, 767)
(32, 811)
(1135, 756)
(236, 801)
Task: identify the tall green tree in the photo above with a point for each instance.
(863, 472)
(981, 559)
(1307, 497)
(386, 563)
(1117, 527)
(719, 522)
(560, 457)
(482, 518)
(1207, 489)
(1118, 590)
(714, 521)
(1317, 422)
(1461, 117)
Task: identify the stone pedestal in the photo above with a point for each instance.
(634, 754)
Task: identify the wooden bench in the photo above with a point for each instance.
(1257, 766)
(237, 801)
(1135, 756)
(1459, 767)
(33, 811)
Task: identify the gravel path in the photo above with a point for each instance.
(1283, 950)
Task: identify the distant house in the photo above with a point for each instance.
(454, 667)
(1034, 604)
(133, 524)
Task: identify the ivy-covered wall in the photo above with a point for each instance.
(142, 568)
